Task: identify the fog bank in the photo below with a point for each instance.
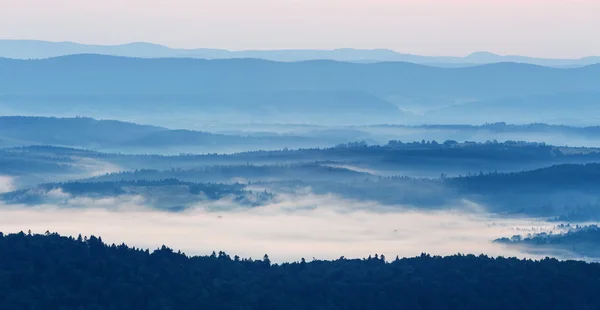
(320, 226)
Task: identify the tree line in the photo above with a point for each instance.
(54, 272)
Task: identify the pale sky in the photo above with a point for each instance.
(541, 28)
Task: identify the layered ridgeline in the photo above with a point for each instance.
(112, 135)
(322, 92)
(120, 136)
(33, 49)
(54, 272)
(553, 182)
(419, 159)
(117, 136)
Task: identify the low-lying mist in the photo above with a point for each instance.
(7, 184)
(292, 227)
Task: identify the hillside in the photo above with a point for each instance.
(569, 190)
(567, 176)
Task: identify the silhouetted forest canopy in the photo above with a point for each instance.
(54, 272)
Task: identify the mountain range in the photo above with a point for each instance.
(253, 90)
(32, 49)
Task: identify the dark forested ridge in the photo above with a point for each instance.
(53, 272)
(569, 190)
(567, 176)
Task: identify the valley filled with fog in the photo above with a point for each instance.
(303, 158)
(299, 155)
(275, 193)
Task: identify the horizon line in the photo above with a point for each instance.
(488, 53)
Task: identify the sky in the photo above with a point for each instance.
(540, 28)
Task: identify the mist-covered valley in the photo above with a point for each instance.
(318, 155)
(299, 155)
(424, 181)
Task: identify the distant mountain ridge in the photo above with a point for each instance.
(254, 90)
(33, 49)
(89, 133)
(109, 75)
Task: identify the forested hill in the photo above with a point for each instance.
(53, 272)
(567, 176)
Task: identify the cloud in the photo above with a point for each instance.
(7, 184)
(356, 169)
(94, 167)
(57, 193)
(308, 225)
